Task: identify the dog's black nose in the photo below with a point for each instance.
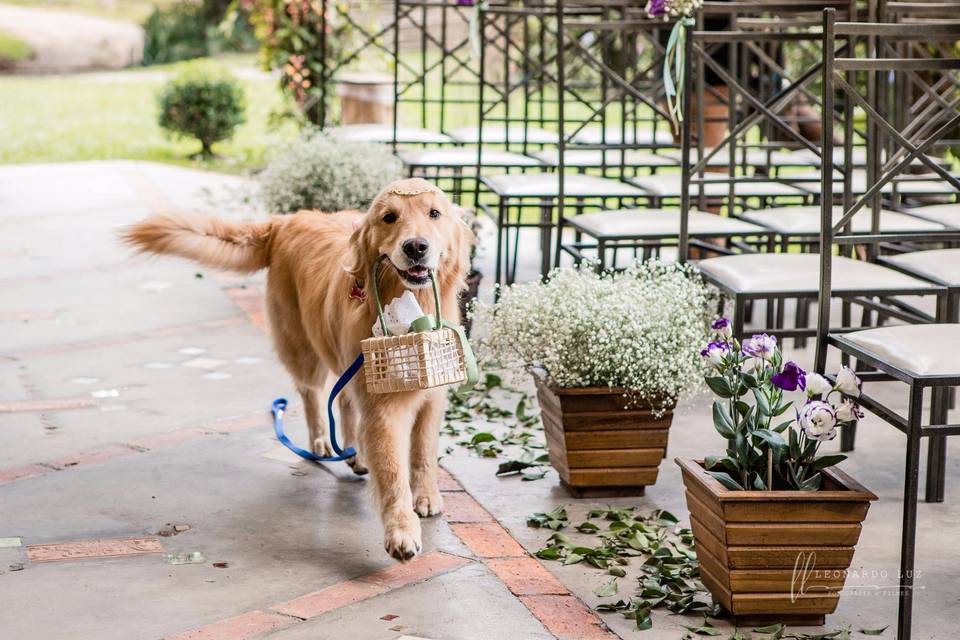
(416, 248)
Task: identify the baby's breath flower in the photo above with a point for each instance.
(640, 329)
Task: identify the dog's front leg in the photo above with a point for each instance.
(423, 453)
(386, 445)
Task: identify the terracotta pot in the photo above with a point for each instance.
(596, 444)
(467, 296)
(775, 556)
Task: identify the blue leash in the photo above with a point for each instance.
(280, 405)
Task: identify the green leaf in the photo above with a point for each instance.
(642, 617)
(492, 381)
(773, 628)
(587, 527)
(722, 421)
(811, 484)
(483, 436)
(536, 474)
(725, 479)
(617, 571)
(719, 386)
(607, 589)
(827, 461)
(772, 438)
(763, 406)
(873, 632)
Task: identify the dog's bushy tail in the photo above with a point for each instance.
(213, 242)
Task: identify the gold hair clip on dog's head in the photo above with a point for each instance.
(412, 192)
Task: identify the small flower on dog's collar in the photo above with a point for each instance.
(357, 292)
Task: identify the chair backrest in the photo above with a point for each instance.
(435, 70)
(741, 46)
(853, 75)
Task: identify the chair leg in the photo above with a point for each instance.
(909, 532)
(937, 448)
(848, 437)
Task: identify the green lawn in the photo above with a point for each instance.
(133, 10)
(106, 116)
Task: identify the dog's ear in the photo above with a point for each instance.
(360, 250)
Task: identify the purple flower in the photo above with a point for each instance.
(465, 3)
(791, 378)
(656, 8)
(760, 346)
(715, 352)
(722, 327)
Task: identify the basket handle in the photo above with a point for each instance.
(376, 294)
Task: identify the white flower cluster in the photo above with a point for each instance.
(639, 329)
(319, 171)
(682, 8)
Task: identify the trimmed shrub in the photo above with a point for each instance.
(202, 101)
(320, 171)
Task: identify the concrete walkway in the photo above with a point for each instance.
(143, 495)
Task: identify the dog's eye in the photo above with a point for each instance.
(390, 218)
(434, 213)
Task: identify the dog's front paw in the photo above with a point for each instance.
(401, 536)
(322, 447)
(427, 503)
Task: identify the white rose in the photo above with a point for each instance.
(848, 382)
(818, 420)
(817, 385)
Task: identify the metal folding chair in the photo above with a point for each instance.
(914, 354)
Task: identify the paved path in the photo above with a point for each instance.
(66, 42)
(134, 438)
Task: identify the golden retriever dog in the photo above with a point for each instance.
(321, 305)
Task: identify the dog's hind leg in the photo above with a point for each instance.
(349, 424)
(423, 455)
(316, 425)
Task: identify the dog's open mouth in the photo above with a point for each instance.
(417, 274)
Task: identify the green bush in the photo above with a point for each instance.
(320, 171)
(13, 49)
(175, 32)
(202, 101)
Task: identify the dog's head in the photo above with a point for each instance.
(416, 226)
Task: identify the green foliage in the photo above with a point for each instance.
(13, 49)
(173, 33)
(319, 172)
(203, 101)
(292, 40)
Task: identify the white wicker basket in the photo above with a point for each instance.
(413, 361)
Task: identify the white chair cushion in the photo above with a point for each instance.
(594, 158)
(498, 134)
(921, 349)
(639, 223)
(859, 157)
(612, 135)
(945, 214)
(800, 273)
(810, 181)
(548, 185)
(464, 157)
(668, 186)
(801, 221)
(940, 265)
(383, 133)
(754, 158)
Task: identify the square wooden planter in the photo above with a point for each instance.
(775, 556)
(596, 444)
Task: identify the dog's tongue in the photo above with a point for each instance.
(418, 271)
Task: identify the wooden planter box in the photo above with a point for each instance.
(596, 444)
(775, 556)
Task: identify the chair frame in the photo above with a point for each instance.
(913, 144)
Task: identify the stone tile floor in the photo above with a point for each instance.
(143, 495)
